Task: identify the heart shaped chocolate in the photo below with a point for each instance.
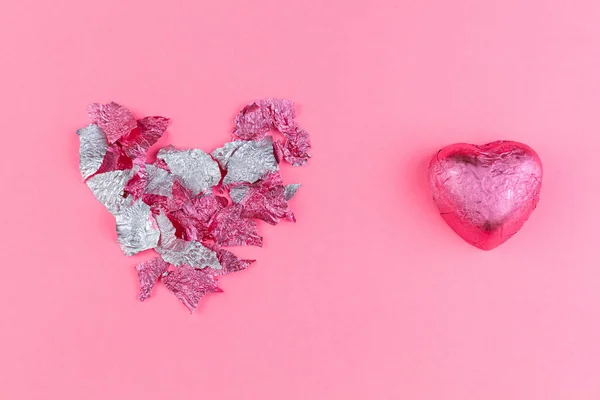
(486, 193)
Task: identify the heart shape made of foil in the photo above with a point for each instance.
(486, 193)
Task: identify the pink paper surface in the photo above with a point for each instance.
(370, 295)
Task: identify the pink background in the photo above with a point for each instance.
(370, 295)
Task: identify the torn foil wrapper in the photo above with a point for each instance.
(109, 188)
(92, 149)
(159, 181)
(188, 204)
(231, 228)
(262, 116)
(179, 252)
(229, 262)
(246, 161)
(196, 169)
(136, 228)
(189, 285)
(115, 120)
(290, 190)
(137, 143)
(148, 274)
(264, 200)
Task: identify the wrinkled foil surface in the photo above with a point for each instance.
(189, 285)
(148, 274)
(136, 228)
(189, 205)
(262, 116)
(92, 149)
(486, 193)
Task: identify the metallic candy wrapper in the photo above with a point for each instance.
(178, 251)
(137, 142)
(486, 193)
(115, 120)
(230, 228)
(159, 181)
(205, 207)
(148, 274)
(262, 116)
(197, 170)
(137, 184)
(136, 228)
(223, 154)
(189, 285)
(92, 149)
(190, 253)
(265, 200)
(178, 205)
(195, 216)
(237, 193)
(115, 159)
(290, 190)
(180, 196)
(229, 261)
(296, 147)
(108, 188)
(250, 162)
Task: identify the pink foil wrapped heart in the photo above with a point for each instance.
(486, 193)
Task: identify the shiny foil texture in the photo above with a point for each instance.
(486, 193)
(189, 204)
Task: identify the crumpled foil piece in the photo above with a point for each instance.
(136, 228)
(159, 181)
(197, 170)
(180, 197)
(108, 188)
(187, 204)
(136, 185)
(92, 149)
(290, 190)
(223, 154)
(258, 118)
(137, 143)
(189, 285)
(148, 274)
(230, 262)
(115, 120)
(115, 159)
(178, 251)
(262, 116)
(190, 253)
(266, 200)
(230, 228)
(296, 147)
(249, 162)
(237, 193)
(205, 207)
(486, 193)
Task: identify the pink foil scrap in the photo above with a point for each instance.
(229, 262)
(265, 200)
(115, 159)
(262, 116)
(115, 121)
(148, 274)
(189, 285)
(231, 228)
(188, 204)
(146, 134)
